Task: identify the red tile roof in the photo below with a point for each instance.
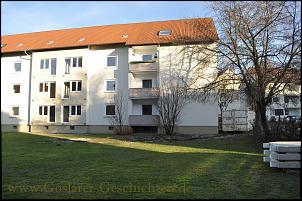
(138, 34)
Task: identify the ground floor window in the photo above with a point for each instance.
(15, 110)
(110, 109)
(71, 110)
(279, 112)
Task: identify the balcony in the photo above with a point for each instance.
(143, 93)
(142, 66)
(143, 120)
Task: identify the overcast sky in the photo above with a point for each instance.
(30, 16)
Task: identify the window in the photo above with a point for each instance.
(79, 61)
(66, 114)
(67, 65)
(79, 112)
(164, 32)
(44, 86)
(73, 110)
(15, 111)
(76, 86)
(53, 68)
(45, 63)
(111, 61)
(110, 85)
(147, 83)
(76, 61)
(147, 57)
(147, 109)
(43, 110)
(52, 90)
(110, 109)
(80, 86)
(16, 88)
(40, 110)
(66, 89)
(52, 113)
(278, 112)
(275, 99)
(17, 67)
(42, 64)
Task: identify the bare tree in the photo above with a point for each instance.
(260, 41)
(172, 99)
(118, 120)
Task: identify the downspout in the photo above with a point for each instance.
(29, 91)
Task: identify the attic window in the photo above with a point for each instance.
(81, 39)
(2, 45)
(50, 42)
(18, 45)
(164, 32)
(125, 36)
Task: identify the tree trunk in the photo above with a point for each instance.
(262, 131)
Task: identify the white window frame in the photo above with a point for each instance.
(71, 62)
(116, 62)
(76, 110)
(77, 81)
(110, 115)
(12, 113)
(43, 106)
(49, 64)
(70, 115)
(105, 84)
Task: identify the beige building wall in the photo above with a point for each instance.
(44, 75)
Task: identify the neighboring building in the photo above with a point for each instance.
(285, 104)
(70, 77)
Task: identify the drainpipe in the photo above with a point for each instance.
(29, 90)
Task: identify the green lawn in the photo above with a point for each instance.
(110, 167)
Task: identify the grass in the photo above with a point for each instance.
(110, 167)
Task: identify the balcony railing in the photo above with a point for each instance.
(143, 120)
(143, 93)
(141, 66)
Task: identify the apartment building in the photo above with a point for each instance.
(69, 78)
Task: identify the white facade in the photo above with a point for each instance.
(15, 75)
(128, 71)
